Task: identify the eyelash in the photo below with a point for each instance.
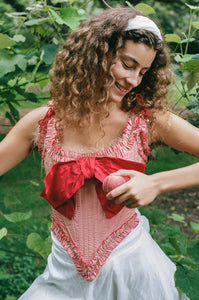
(130, 67)
(126, 66)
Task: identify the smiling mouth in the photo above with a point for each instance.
(121, 88)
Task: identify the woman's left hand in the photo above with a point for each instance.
(139, 191)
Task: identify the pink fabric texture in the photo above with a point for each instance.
(90, 237)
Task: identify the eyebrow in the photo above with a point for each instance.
(133, 59)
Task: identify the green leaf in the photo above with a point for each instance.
(20, 61)
(191, 6)
(195, 226)
(3, 232)
(157, 216)
(170, 231)
(172, 38)
(27, 95)
(188, 40)
(14, 112)
(19, 38)
(39, 21)
(37, 244)
(191, 78)
(6, 67)
(70, 16)
(56, 17)
(129, 4)
(196, 56)
(195, 24)
(195, 252)
(177, 218)
(18, 216)
(192, 65)
(187, 280)
(145, 9)
(183, 58)
(5, 41)
(8, 62)
(9, 116)
(49, 53)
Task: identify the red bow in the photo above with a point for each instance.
(65, 179)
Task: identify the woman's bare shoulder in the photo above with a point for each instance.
(172, 130)
(28, 124)
(156, 123)
(36, 114)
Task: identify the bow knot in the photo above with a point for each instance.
(87, 166)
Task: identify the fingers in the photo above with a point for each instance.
(127, 173)
(118, 191)
(131, 203)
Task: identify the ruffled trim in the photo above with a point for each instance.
(142, 135)
(43, 126)
(120, 149)
(91, 270)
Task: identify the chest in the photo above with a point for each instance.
(92, 137)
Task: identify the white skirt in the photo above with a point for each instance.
(137, 269)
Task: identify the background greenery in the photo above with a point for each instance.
(31, 33)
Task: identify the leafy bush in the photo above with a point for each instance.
(182, 251)
(17, 274)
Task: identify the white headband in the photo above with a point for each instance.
(141, 22)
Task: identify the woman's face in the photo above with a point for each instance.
(133, 61)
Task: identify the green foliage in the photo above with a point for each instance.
(37, 244)
(195, 227)
(16, 275)
(145, 9)
(18, 216)
(27, 52)
(182, 251)
(3, 232)
(186, 65)
(23, 214)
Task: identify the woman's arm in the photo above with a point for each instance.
(17, 145)
(142, 189)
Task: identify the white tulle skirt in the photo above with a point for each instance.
(137, 269)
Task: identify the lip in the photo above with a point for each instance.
(121, 89)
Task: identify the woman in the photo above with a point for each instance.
(109, 86)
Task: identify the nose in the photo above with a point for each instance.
(133, 79)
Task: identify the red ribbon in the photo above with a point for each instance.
(65, 179)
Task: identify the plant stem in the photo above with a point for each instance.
(189, 32)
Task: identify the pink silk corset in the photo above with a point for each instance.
(90, 236)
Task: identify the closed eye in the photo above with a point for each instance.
(132, 67)
(127, 66)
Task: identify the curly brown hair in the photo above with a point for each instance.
(81, 74)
